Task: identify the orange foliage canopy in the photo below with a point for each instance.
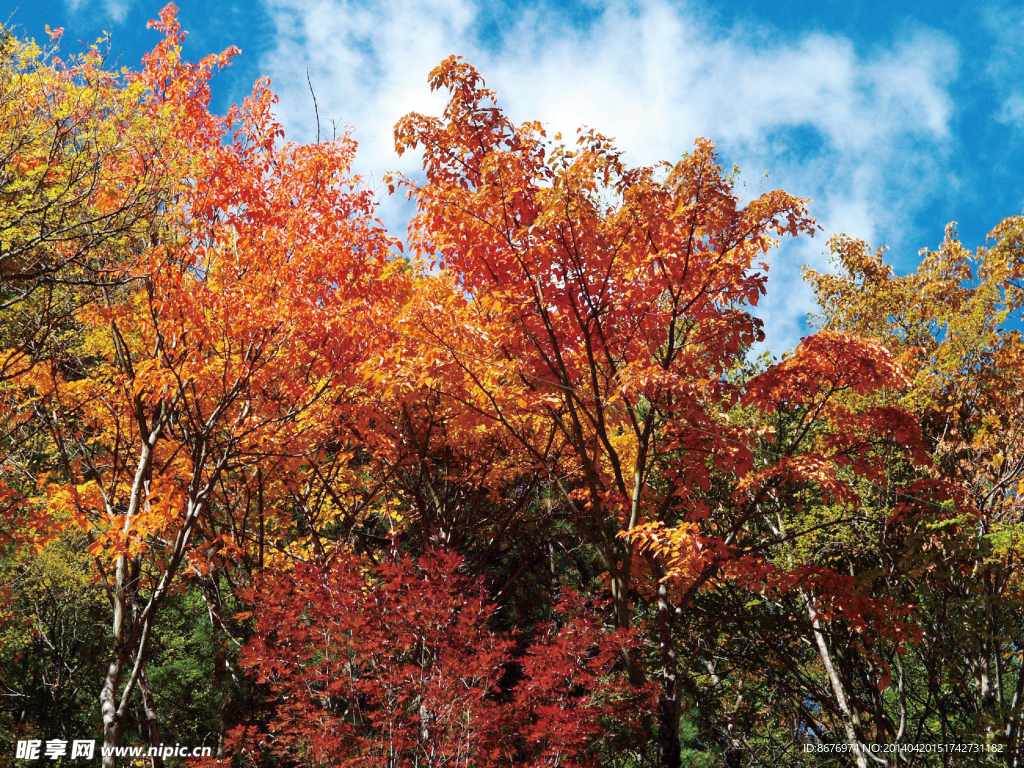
(234, 343)
(225, 353)
(591, 311)
(598, 316)
(584, 308)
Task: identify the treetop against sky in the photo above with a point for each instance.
(894, 119)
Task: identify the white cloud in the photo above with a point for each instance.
(116, 10)
(861, 133)
(1006, 59)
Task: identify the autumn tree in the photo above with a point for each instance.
(595, 312)
(82, 178)
(952, 324)
(224, 355)
(829, 440)
(590, 310)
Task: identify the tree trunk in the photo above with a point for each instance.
(668, 698)
(108, 706)
(152, 719)
(623, 620)
(1013, 726)
(118, 657)
(848, 716)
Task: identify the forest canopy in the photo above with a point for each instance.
(513, 488)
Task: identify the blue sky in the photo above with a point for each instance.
(894, 118)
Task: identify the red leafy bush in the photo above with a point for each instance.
(395, 665)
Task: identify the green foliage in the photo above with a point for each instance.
(51, 641)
